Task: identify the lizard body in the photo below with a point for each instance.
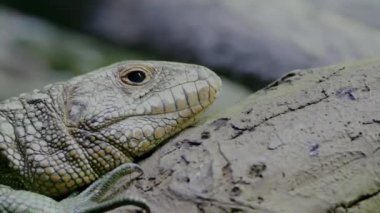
(59, 139)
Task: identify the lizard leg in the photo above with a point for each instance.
(20, 201)
(94, 199)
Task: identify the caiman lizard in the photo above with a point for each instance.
(90, 129)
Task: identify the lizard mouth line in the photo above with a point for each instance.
(106, 124)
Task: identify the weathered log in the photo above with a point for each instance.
(309, 142)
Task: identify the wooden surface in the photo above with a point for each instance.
(309, 142)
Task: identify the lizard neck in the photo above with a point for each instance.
(40, 151)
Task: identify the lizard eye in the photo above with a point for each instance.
(135, 76)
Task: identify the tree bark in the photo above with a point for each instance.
(309, 142)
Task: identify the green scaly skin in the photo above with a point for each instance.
(90, 129)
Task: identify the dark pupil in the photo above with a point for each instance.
(136, 76)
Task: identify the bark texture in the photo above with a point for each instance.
(309, 142)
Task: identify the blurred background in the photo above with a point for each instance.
(248, 42)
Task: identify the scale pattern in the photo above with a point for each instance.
(68, 134)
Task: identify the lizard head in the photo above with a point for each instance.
(133, 106)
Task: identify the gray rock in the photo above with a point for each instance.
(364, 11)
(261, 38)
